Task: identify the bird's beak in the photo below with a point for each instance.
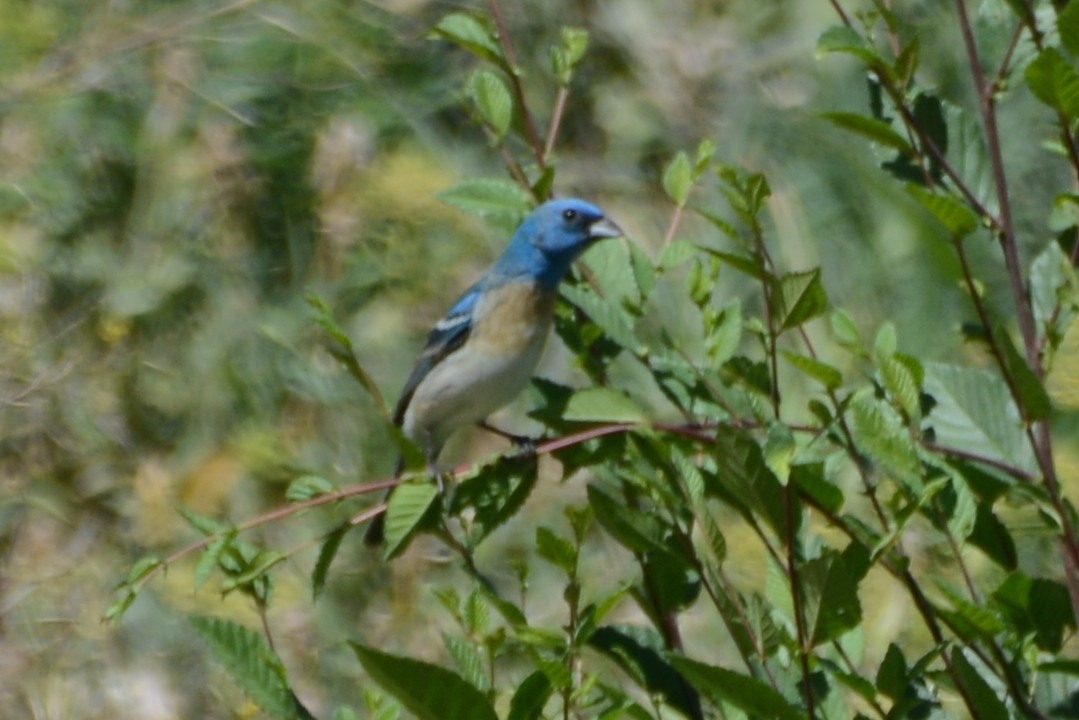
(602, 229)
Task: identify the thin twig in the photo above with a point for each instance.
(534, 140)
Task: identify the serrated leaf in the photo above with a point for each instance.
(1054, 81)
(530, 697)
(974, 412)
(886, 341)
(211, 556)
(802, 298)
(407, 508)
(428, 691)
(810, 480)
(468, 661)
(956, 217)
(875, 130)
(493, 100)
(489, 197)
(258, 566)
(899, 381)
(676, 253)
(141, 568)
(846, 330)
(251, 663)
(678, 179)
(472, 33)
(981, 695)
(602, 405)
(636, 531)
(326, 553)
(823, 373)
(639, 652)
(1030, 389)
(830, 592)
(842, 39)
(204, 525)
(880, 434)
(610, 317)
(1036, 604)
(556, 550)
(1068, 28)
(306, 487)
(744, 481)
(746, 693)
(494, 492)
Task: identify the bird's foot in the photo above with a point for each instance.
(524, 444)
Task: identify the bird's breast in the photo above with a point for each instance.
(513, 320)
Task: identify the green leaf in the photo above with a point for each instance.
(556, 550)
(993, 538)
(494, 492)
(810, 480)
(846, 330)
(880, 433)
(141, 568)
(744, 481)
(678, 179)
(306, 487)
(250, 662)
(823, 373)
(407, 509)
(493, 100)
(1030, 389)
(746, 693)
(842, 39)
(603, 405)
(489, 197)
(900, 383)
(955, 216)
(473, 33)
(1053, 289)
(204, 525)
(1068, 27)
(1054, 81)
(610, 317)
(326, 554)
(875, 130)
(830, 592)
(802, 298)
(639, 652)
(989, 704)
(468, 661)
(256, 568)
(530, 697)
(428, 691)
(1038, 605)
(637, 531)
(211, 557)
(974, 412)
(677, 253)
(564, 59)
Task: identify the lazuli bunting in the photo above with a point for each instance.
(482, 353)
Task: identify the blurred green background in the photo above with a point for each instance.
(175, 176)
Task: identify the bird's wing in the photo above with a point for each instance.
(448, 335)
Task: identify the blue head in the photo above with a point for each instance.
(551, 238)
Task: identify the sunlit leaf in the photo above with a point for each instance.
(493, 99)
(251, 662)
(603, 405)
(744, 692)
(489, 197)
(875, 130)
(678, 178)
(474, 33)
(428, 691)
(1054, 81)
(407, 509)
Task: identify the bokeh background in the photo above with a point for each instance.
(176, 176)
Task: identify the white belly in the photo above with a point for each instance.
(487, 372)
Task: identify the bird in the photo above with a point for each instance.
(483, 352)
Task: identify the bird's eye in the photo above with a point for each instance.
(570, 214)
